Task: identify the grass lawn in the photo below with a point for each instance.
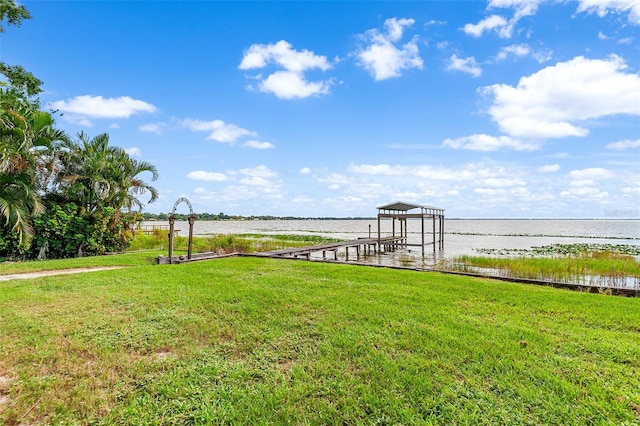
(262, 341)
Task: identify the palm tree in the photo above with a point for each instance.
(18, 203)
(27, 146)
(83, 177)
(128, 186)
(96, 175)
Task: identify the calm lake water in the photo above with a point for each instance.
(462, 236)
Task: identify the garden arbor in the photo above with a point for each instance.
(172, 221)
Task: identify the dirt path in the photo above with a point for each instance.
(29, 275)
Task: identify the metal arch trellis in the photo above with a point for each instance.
(181, 200)
(172, 220)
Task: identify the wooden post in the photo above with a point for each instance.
(393, 230)
(434, 231)
(192, 219)
(379, 248)
(422, 232)
(172, 220)
(442, 232)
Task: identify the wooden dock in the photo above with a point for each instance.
(361, 245)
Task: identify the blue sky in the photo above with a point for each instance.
(505, 108)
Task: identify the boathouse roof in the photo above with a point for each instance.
(400, 206)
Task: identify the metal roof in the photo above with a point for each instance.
(403, 207)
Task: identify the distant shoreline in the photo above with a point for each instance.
(185, 217)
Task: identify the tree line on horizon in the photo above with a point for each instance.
(59, 196)
(222, 216)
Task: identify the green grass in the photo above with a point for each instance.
(598, 263)
(262, 341)
(139, 258)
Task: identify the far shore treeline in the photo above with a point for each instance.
(59, 196)
(222, 216)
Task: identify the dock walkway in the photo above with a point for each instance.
(361, 245)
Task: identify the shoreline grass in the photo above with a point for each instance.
(229, 243)
(612, 269)
(245, 341)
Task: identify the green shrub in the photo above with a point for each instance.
(65, 230)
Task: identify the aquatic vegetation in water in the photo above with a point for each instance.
(561, 263)
(563, 250)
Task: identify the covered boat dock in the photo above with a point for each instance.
(400, 212)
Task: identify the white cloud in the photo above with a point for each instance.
(395, 27)
(549, 168)
(585, 193)
(521, 50)
(377, 169)
(503, 27)
(219, 130)
(482, 142)
(604, 7)
(488, 191)
(305, 171)
(246, 184)
(258, 144)
(543, 55)
(523, 8)
(290, 83)
(487, 24)
(255, 181)
(467, 65)
(466, 172)
(157, 128)
(207, 176)
(602, 36)
(591, 173)
(134, 152)
(514, 49)
(503, 182)
(434, 22)
(82, 109)
(582, 182)
(282, 54)
(259, 171)
(334, 179)
(631, 190)
(555, 101)
(624, 144)
(382, 57)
